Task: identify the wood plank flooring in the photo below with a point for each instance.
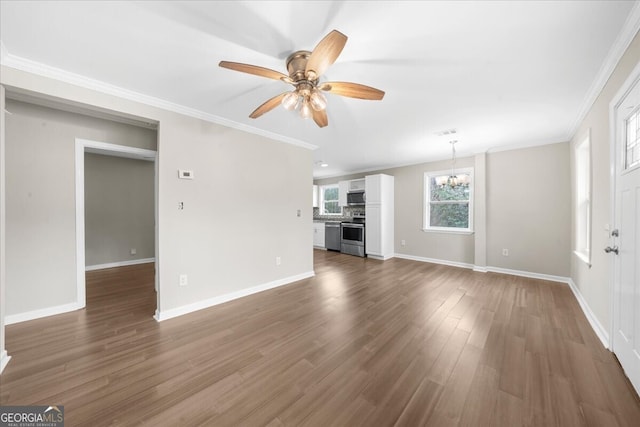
(363, 343)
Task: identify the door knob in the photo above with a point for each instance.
(609, 249)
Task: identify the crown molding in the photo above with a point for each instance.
(33, 67)
(622, 42)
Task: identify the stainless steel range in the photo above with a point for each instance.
(352, 236)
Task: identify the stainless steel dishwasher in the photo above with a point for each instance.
(332, 235)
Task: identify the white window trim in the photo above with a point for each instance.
(321, 204)
(426, 211)
(583, 255)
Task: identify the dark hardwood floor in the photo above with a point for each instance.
(364, 342)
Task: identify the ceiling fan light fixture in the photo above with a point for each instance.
(290, 100)
(305, 109)
(305, 69)
(318, 100)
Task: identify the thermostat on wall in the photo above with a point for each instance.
(184, 174)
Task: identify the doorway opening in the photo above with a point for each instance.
(83, 149)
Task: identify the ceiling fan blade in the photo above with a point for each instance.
(320, 117)
(253, 69)
(268, 106)
(325, 54)
(352, 90)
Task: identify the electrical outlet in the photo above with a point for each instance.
(403, 242)
(133, 251)
(278, 260)
(183, 280)
(505, 252)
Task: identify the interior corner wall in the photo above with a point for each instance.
(594, 282)
(40, 196)
(119, 209)
(240, 210)
(528, 209)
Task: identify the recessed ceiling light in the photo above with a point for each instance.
(321, 164)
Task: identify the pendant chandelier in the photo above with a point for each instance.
(452, 180)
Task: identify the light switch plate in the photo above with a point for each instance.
(185, 174)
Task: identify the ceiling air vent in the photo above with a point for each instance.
(447, 132)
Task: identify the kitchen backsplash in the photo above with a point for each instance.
(347, 214)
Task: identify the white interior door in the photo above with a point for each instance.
(626, 239)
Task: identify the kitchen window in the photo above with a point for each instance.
(329, 200)
(583, 199)
(448, 201)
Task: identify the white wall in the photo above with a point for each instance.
(40, 196)
(528, 209)
(240, 210)
(119, 209)
(594, 283)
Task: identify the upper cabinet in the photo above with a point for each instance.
(357, 185)
(346, 186)
(379, 189)
(343, 189)
(315, 196)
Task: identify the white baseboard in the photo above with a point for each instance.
(119, 264)
(435, 261)
(528, 274)
(381, 257)
(43, 312)
(4, 359)
(600, 331)
(189, 308)
(482, 269)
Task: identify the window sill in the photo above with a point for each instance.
(584, 258)
(437, 230)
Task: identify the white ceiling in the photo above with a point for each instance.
(504, 74)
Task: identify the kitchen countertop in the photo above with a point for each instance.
(338, 219)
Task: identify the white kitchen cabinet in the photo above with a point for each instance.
(343, 189)
(379, 210)
(357, 184)
(315, 196)
(318, 234)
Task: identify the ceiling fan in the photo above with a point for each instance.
(305, 69)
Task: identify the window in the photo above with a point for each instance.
(329, 200)
(632, 141)
(583, 199)
(448, 207)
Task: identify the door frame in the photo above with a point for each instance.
(625, 89)
(83, 146)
